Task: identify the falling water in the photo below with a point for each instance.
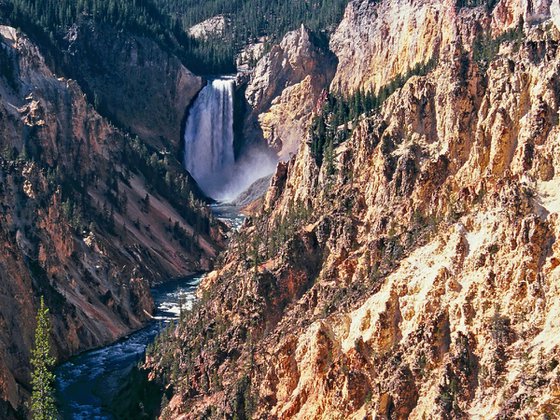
(209, 155)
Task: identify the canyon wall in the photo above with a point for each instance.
(378, 41)
(81, 221)
(283, 90)
(140, 86)
(414, 273)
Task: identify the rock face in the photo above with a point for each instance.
(80, 223)
(379, 40)
(419, 278)
(131, 79)
(215, 26)
(250, 54)
(284, 88)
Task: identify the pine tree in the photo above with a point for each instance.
(181, 303)
(328, 157)
(43, 405)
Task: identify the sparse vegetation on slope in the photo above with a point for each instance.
(251, 19)
(48, 21)
(339, 113)
(490, 4)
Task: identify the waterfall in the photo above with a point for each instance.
(209, 155)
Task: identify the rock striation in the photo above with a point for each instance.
(379, 40)
(284, 87)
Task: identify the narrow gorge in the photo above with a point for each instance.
(354, 217)
(105, 383)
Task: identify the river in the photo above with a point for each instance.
(87, 383)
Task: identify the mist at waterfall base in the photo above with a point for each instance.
(209, 150)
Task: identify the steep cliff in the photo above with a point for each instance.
(283, 89)
(81, 221)
(131, 79)
(380, 40)
(414, 273)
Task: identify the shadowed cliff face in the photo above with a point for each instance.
(417, 276)
(141, 87)
(81, 222)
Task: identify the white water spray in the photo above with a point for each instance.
(209, 155)
(209, 136)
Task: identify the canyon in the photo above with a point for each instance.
(399, 173)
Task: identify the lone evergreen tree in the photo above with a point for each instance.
(43, 405)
